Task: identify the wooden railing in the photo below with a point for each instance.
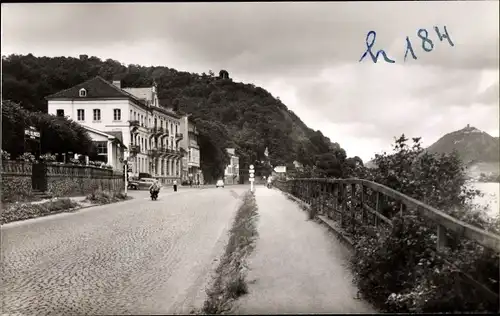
(365, 207)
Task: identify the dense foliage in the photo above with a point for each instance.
(398, 270)
(58, 135)
(230, 114)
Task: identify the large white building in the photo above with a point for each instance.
(151, 133)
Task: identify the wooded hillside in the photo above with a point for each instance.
(227, 113)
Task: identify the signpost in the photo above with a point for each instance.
(31, 136)
(280, 169)
(251, 171)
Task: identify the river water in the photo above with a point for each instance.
(491, 196)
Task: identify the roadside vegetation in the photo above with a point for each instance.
(230, 279)
(105, 197)
(398, 271)
(12, 212)
(22, 211)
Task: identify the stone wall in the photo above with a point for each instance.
(62, 180)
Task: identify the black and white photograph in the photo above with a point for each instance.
(331, 157)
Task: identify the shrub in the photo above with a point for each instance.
(105, 197)
(5, 155)
(28, 157)
(22, 211)
(48, 158)
(398, 270)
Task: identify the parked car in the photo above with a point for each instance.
(141, 184)
(220, 183)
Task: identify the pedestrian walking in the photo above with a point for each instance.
(198, 183)
(175, 185)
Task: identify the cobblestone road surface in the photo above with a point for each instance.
(134, 257)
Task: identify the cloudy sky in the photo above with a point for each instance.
(305, 53)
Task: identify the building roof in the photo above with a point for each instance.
(115, 136)
(141, 93)
(166, 112)
(97, 88)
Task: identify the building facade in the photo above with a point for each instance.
(109, 146)
(151, 133)
(191, 161)
(232, 172)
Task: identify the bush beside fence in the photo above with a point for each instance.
(62, 180)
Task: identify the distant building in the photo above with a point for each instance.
(223, 74)
(232, 172)
(151, 133)
(191, 168)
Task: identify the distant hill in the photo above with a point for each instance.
(473, 146)
(479, 151)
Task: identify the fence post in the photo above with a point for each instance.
(377, 208)
(353, 207)
(308, 195)
(338, 201)
(363, 212)
(441, 238)
(344, 204)
(330, 200)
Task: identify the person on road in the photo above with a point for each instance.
(175, 185)
(155, 187)
(269, 180)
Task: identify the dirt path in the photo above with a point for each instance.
(298, 266)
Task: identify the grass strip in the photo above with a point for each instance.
(230, 276)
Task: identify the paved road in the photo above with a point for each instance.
(134, 257)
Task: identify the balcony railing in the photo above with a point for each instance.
(135, 148)
(154, 152)
(134, 123)
(179, 136)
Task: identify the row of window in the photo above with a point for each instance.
(134, 116)
(144, 143)
(80, 114)
(146, 165)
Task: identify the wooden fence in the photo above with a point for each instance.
(366, 207)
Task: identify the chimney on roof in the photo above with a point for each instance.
(117, 83)
(468, 125)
